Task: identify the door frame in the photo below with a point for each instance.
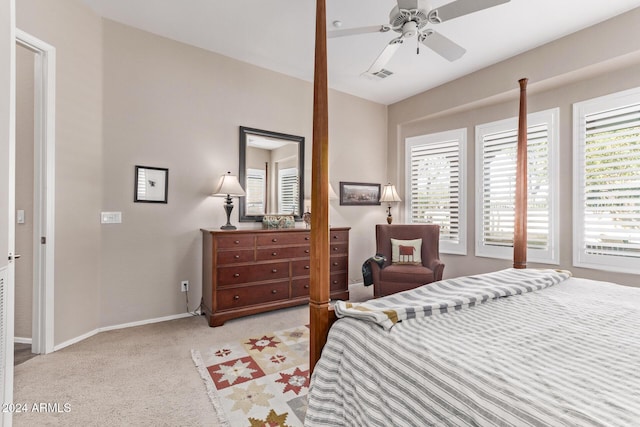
(44, 191)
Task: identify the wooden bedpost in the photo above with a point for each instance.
(520, 232)
(319, 274)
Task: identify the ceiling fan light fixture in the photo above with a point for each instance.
(410, 29)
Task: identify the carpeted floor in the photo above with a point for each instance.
(141, 376)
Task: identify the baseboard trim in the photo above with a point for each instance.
(120, 326)
(21, 340)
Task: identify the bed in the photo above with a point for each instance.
(565, 353)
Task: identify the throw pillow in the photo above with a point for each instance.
(406, 251)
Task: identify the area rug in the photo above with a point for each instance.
(258, 381)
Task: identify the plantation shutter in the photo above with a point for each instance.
(435, 187)
(611, 174)
(288, 191)
(496, 152)
(498, 187)
(255, 192)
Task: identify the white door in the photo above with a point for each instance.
(7, 155)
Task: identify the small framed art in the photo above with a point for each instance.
(151, 185)
(359, 193)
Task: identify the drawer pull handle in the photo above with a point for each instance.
(335, 263)
(236, 297)
(306, 237)
(236, 241)
(335, 236)
(306, 286)
(273, 291)
(306, 267)
(236, 256)
(306, 251)
(335, 282)
(274, 240)
(335, 248)
(274, 253)
(275, 270)
(236, 275)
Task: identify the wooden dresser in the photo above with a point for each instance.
(252, 271)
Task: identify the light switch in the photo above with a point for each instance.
(111, 217)
(20, 216)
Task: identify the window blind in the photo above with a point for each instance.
(611, 186)
(435, 190)
(499, 185)
(288, 191)
(255, 190)
(496, 184)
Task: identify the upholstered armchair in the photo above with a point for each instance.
(404, 274)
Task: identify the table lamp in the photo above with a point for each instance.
(228, 187)
(389, 195)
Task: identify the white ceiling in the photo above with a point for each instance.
(279, 35)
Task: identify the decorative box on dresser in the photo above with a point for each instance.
(252, 271)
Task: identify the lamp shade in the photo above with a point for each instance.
(229, 186)
(389, 194)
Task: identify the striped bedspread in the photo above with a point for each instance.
(451, 294)
(565, 355)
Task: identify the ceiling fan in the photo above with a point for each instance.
(410, 18)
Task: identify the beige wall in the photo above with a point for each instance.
(24, 190)
(76, 33)
(125, 98)
(594, 62)
(170, 105)
(6, 119)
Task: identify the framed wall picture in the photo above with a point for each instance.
(359, 193)
(151, 185)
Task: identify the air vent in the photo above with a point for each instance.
(383, 74)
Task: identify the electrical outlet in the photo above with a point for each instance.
(184, 285)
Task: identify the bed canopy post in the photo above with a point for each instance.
(319, 274)
(520, 232)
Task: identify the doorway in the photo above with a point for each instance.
(35, 191)
(24, 196)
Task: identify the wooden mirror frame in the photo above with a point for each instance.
(242, 173)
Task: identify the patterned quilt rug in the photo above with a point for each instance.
(258, 381)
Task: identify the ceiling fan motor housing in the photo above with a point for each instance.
(412, 12)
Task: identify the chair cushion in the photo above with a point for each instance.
(406, 251)
(406, 273)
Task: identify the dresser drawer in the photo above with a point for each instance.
(284, 238)
(300, 267)
(338, 263)
(231, 257)
(339, 236)
(251, 295)
(282, 252)
(232, 275)
(338, 248)
(235, 241)
(338, 281)
(300, 287)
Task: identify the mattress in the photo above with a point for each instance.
(567, 354)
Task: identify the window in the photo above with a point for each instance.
(607, 183)
(496, 145)
(255, 191)
(436, 186)
(288, 191)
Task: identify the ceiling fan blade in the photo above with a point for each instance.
(460, 8)
(359, 30)
(442, 45)
(385, 56)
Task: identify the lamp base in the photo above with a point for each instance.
(389, 217)
(228, 207)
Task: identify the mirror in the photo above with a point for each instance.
(271, 173)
